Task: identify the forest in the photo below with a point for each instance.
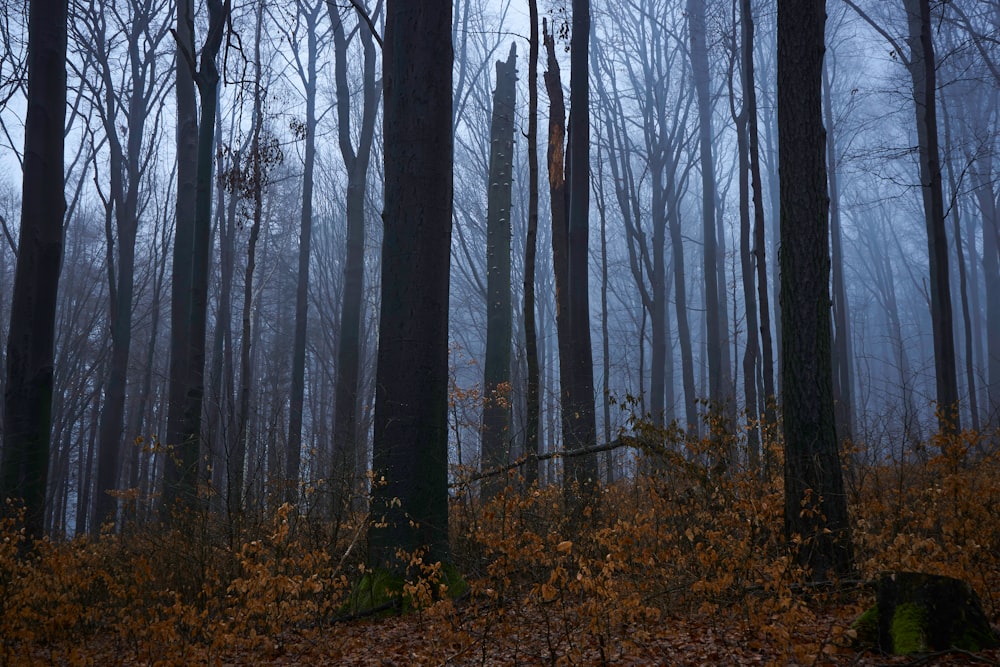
(370, 332)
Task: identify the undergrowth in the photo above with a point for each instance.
(681, 542)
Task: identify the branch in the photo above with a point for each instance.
(889, 38)
(6, 233)
(363, 14)
(977, 39)
(623, 441)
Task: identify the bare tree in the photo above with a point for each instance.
(189, 291)
(410, 454)
(28, 393)
(495, 450)
(348, 439)
(815, 504)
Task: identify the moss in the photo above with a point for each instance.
(908, 629)
(376, 590)
(866, 627)
(453, 579)
(381, 591)
(974, 638)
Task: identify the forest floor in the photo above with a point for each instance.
(413, 640)
(677, 567)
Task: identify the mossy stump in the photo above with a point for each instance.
(920, 613)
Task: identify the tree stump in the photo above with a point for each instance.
(920, 613)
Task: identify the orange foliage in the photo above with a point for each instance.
(682, 564)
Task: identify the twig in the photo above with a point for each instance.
(560, 453)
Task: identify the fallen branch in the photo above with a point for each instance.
(623, 441)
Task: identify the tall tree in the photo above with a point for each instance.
(310, 14)
(751, 354)
(28, 393)
(815, 504)
(189, 291)
(495, 449)
(842, 357)
(579, 399)
(556, 161)
(251, 182)
(715, 309)
(348, 445)
(180, 281)
(922, 68)
(129, 161)
(759, 242)
(533, 415)
(410, 450)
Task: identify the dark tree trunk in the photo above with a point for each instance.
(533, 415)
(348, 444)
(181, 470)
(922, 71)
(560, 238)
(815, 504)
(718, 367)
(988, 210)
(759, 243)
(495, 447)
(963, 283)
(410, 490)
(297, 392)
(127, 168)
(580, 397)
(751, 353)
(683, 323)
(180, 285)
(31, 336)
(842, 357)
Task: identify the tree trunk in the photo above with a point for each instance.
(815, 504)
(181, 470)
(297, 393)
(410, 451)
(759, 246)
(580, 398)
(31, 336)
(751, 354)
(842, 357)
(991, 277)
(174, 476)
(348, 445)
(495, 447)
(557, 199)
(922, 71)
(126, 171)
(533, 415)
(963, 283)
(718, 368)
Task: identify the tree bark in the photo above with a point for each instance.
(410, 450)
(718, 367)
(31, 336)
(580, 398)
(495, 443)
(174, 475)
(127, 168)
(751, 353)
(348, 445)
(815, 504)
(181, 471)
(843, 394)
(533, 415)
(922, 71)
(556, 160)
(297, 394)
(759, 244)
